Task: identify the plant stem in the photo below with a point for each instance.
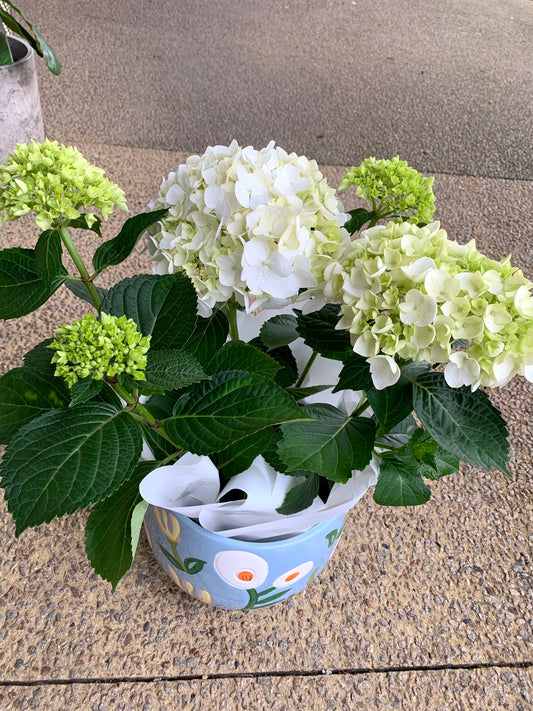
(139, 410)
(80, 266)
(306, 369)
(231, 309)
(361, 407)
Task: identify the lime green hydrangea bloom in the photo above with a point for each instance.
(412, 293)
(394, 189)
(100, 349)
(55, 182)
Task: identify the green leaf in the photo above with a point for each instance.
(444, 463)
(355, 374)
(26, 394)
(209, 335)
(171, 370)
(234, 404)
(300, 496)
(399, 482)
(236, 355)
(36, 40)
(21, 288)
(393, 404)
(159, 446)
(67, 459)
(301, 393)
(434, 462)
(279, 331)
(40, 358)
(161, 306)
(462, 422)
(318, 331)
(108, 532)
(400, 433)
(239, 456)
(332, 444)
(79, 289)
(81, 223)
(5, 51)
(48, 253)
(288, 373)
(116, 250)
(358, 218)
(85, 389)
(137, 518)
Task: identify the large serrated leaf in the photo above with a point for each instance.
(399, 482)
(209, 335)
(172, 370)
(236, 355)
(48, 252)
(234, 404)
(462, 422)
(393, 404)
(67, 459)
(239, 456)
(358, 217)
(355, 374)
(319, 333)
(164, 307)
(300, 496)
(332, 444)
(116, 250)
(108, 533)
(26, 394)
(37, 41)
(79, 289)
(85, 389)
(279, 331)
(21, 288)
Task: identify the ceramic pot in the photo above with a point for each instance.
(233, 574)
(20, 107)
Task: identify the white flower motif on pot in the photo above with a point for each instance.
(291, 576)
(241, 569)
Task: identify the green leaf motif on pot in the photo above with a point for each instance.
(161, 306)
(66, 459)
(464, 423)
(234, 404)
(331, 443)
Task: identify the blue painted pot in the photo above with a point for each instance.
(238, 575)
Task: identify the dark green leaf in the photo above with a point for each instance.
(234, 404)
(239, 456)
(67, 459)
(159, 446)
(81, 223)
(108, 530)
(462, 422)
(171, 370)
(236, 355)
(36, 40)
(301, 393)
(5, 51)
(318, 331)
(279, 331)
(393, 404)
(79, 289)
(85, 389)
(355, 374)
(161, 406)
(209, 335)
(300, 496)
(401, 433)
(444, 463)
(332, 444)
(116, 250)
(358, 218)
(48, 253)
(399, 482)
(161, 306)
(21, 288)
(24, 395)
(40, 358)
(288, 373)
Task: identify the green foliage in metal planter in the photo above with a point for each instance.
(17, 23)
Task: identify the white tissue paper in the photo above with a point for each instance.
(191, 486)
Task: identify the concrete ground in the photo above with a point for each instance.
(423, 608)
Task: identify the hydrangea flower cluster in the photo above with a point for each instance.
(411, 292)
(101, 349)
(55, 182)
(244, 222)
(399, 189)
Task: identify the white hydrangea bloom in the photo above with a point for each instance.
(249, 223)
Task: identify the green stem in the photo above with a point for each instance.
(139, 410)
(231, 309)
(306, 370)
(80, 266)
(361, 407)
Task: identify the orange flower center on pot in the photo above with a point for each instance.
(245, 575)
(292, 576)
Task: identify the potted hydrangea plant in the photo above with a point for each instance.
(283, 357)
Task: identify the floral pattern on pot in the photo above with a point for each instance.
(236, 574)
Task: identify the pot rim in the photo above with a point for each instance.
(25, 58)
(259, 545)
